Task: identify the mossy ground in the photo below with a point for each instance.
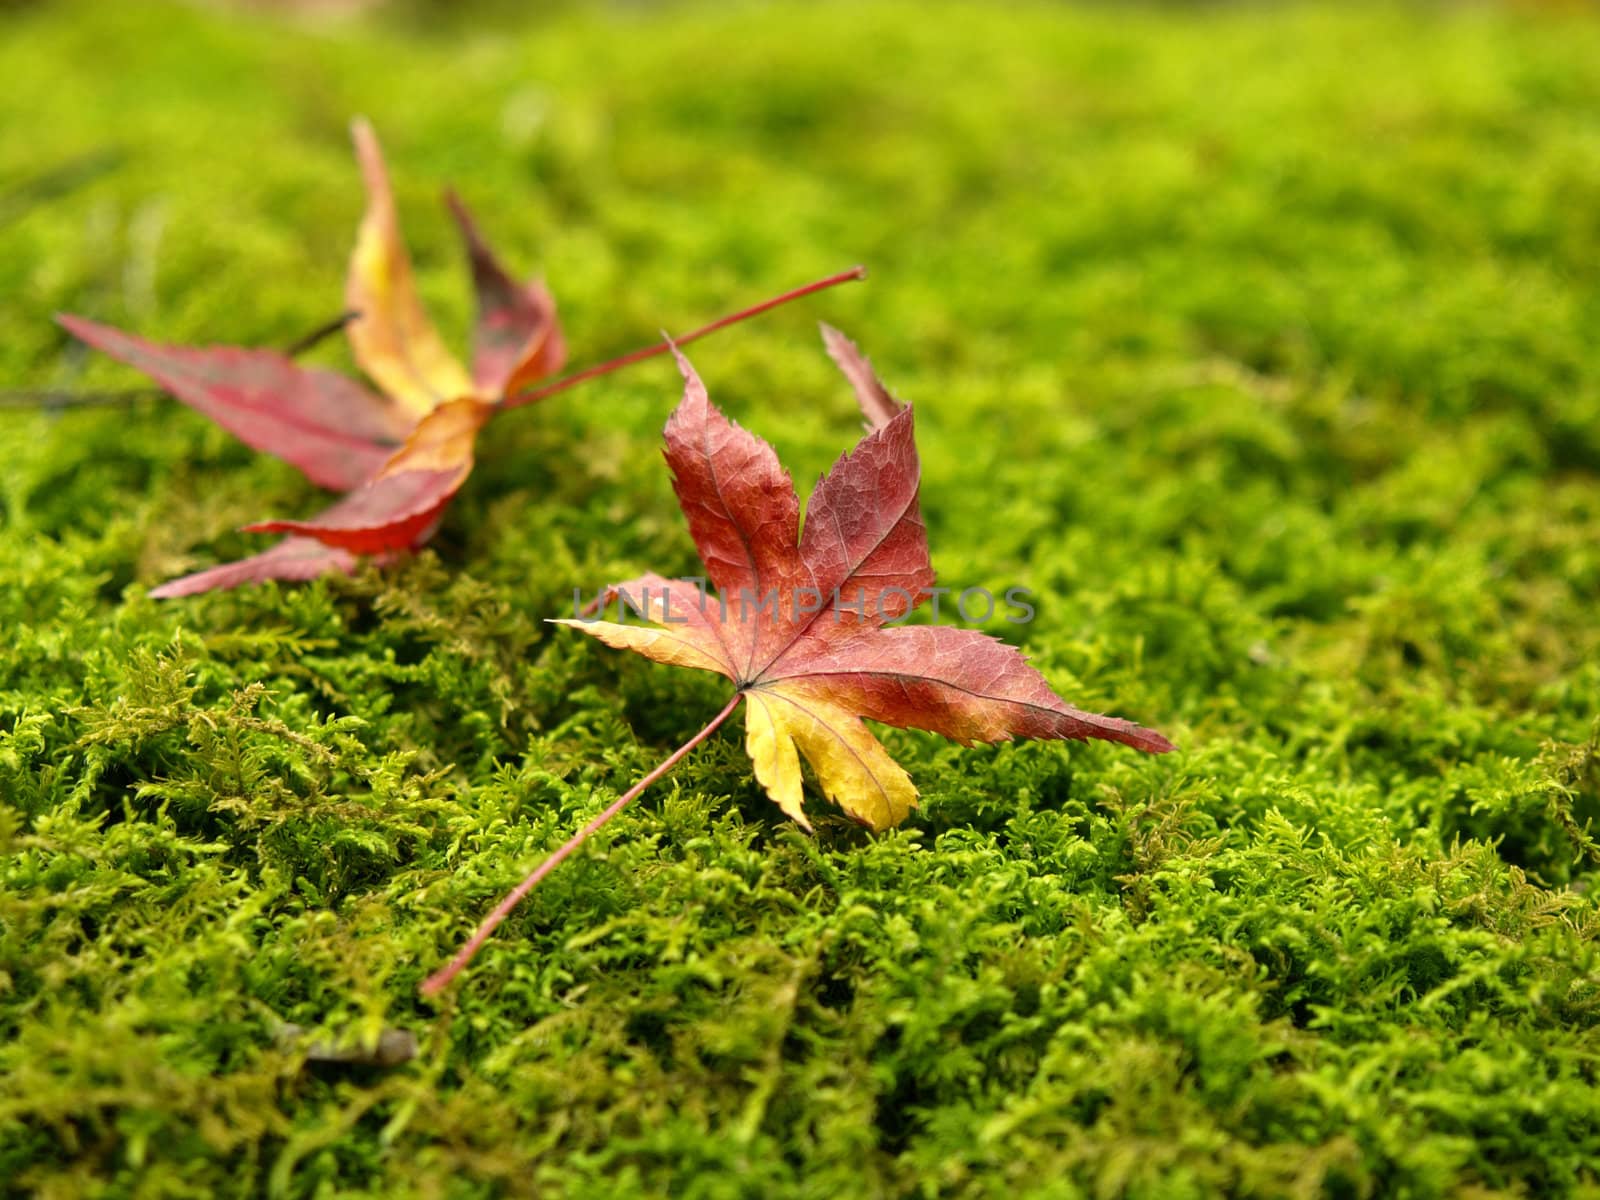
(1260, 343)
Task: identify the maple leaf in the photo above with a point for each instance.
(799, 621)
(402, 453)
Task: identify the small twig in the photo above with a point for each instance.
(320, 334)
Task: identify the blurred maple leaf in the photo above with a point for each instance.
(798, 621)
(400, 454)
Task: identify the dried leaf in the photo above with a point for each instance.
(517, 339)
(798, 625)
(393, 339)
(332, 429)
(294, 559)
(400, 457)
(398, 508)
(798, 622)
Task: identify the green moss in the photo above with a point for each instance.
(1259, 343)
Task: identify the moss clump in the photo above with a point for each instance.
(1275, 379)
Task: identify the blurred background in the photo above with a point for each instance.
(1259, 341)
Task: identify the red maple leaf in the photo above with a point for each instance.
(400, 455)
(800, 621)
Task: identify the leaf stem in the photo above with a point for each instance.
(644, 352)
(441, 978)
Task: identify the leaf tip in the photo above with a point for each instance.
(878, 404)
(693, 387)
(1155, 743)
(75, 325)
(369, 155)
